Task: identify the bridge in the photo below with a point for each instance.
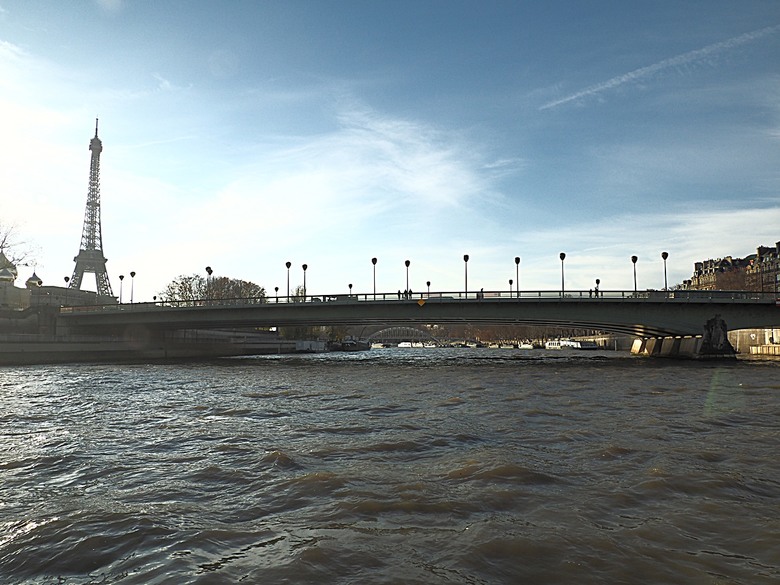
(645, 313)
(398, 333)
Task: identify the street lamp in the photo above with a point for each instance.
(67, 279)
(466, 271)
(517, 275)
(665, 255)
(428, 283)
(121, 281)
(406, 263)
(276, 293)
(633, 261)
(598, 282)
(562, 256)
(305, 266)
(209, 272)
(350, 289)
(288, 264)
(373, 261)
(510, 287)
(132, 285)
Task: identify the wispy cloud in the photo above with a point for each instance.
(677, 61)
(110, 5)
(164, 84)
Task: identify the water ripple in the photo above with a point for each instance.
(441, 466)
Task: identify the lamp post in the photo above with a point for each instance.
(305, 266)
(276, 293)
(132, 285)
(209, 272)
(665, 255)
(562, 256)
(406, 263)
(633, 261)
(466, 273)
(598, 282)
(67, 280)
(428, 283)
(121, 282)
(517, 274)
(350, 289)
(288, 264)
(510, 287)
(373, 262)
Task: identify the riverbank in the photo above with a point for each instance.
(45, 349)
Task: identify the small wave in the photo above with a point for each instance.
(506, 472)
(315, 485)
(616, 452)
(280, 459)
(454, 401)
(412, 505)
(242, 553)
(396, 447)
(341, 430)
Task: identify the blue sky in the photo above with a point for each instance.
(244, 134)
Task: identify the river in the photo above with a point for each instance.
(420, 466)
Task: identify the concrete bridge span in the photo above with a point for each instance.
(645, 314)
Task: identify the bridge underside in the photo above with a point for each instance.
(640, 317)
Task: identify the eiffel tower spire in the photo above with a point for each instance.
(90, 257)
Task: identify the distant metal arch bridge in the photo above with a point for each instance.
(398, 334)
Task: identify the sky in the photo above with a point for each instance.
(241, 135)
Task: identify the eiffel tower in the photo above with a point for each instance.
(90, 257)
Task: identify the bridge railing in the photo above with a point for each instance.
(676, 296)
(533, 295)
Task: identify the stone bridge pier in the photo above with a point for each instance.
(713, 343)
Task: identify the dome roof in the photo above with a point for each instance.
(6, 275)
(34, 280)
(5, 263)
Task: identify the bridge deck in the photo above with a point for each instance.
(644, 313)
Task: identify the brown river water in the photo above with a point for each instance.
(420, 466)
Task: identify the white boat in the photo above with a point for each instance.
(526, 345)
(405, 344)
(570, 344)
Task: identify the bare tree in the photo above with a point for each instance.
(17, 251)
(195, 289)
(233, 290)
(185, 290)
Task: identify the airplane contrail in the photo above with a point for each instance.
(682, 59)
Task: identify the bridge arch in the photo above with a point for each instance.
(398, 334)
